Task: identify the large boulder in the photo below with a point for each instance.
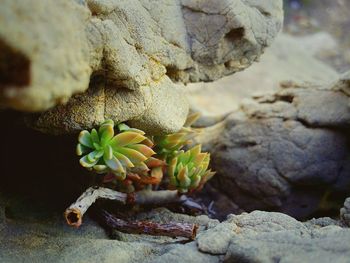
(286, 152)
(140, 47)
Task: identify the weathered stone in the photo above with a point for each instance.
(134, 45)
(255, 237)
(286, 152)
(270, 237)
(45, 63)
(166, 113)
(187, 254)
(216, 240)
(91, 108)
(345, 212)
(289, 58)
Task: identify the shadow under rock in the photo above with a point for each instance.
(40, 174)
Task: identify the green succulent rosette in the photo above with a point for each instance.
(167, 146)
(188, 170)
(106, 152)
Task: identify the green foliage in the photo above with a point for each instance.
(167, 146)
(188, 170)
(126, 158)
(104, 152)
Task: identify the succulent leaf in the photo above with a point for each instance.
(84, 161)
(107, 133)
(126, 138)
(81, 149)
(123, 159)
(94, 136)
(100, 168)
(133, 155)
(192, 118)
(85, 139)
(167, 146)
(146, 151)
(188, 170)
(106, 152)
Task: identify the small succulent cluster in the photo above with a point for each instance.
(188, 170)
(131, 160)
(167, 146)
(105, 152)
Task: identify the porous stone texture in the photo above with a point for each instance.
(216, 240)
(134, 45)
(271, 237)
(255, 237)
(44, 53)
(285, 152)
(160, 108)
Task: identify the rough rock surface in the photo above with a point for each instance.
(285, 152)
(345, 212)
(271, 237)
(134, 45)
(160, 108)
(289, 58)
(255, 237)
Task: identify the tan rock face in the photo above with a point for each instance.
(135, 46)
(43, 44)
(289, 58)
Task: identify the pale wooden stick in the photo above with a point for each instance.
(74, 213)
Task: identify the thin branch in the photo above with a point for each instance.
(171, 229)
(75, 212)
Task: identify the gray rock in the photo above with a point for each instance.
(187, 254)
(286, 152)
(41, 239)
(345, 212)
(216, 240)
(134, 45)
(271, 237)
(255, 237)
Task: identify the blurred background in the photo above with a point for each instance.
(305, 17)
(313, 47)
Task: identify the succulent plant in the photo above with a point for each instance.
(168, 145)
(105, 152)
(188, 170)
(125, 154)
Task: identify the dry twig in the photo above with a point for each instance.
(75, 212)
(150, 228)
